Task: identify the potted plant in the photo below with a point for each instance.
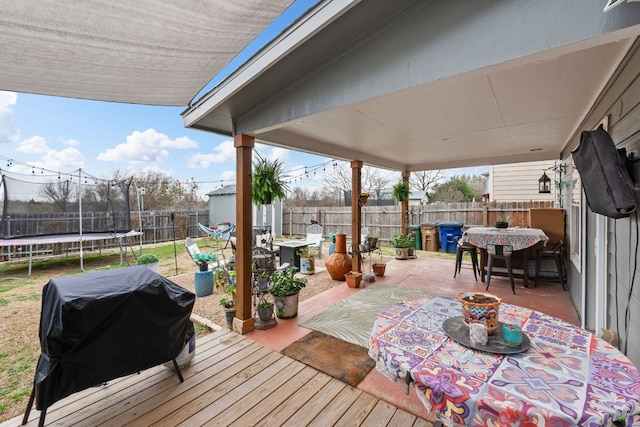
(150, 261)
(307, 255)
(411, 249)
(501, 223)
(400, 191)
(285, 290)
(262, 280)
(379, 267)
(353, 279)
(401, 244)
(265, 310)
(228, 304)
(362, 199)
(203, 260)
(267, 183)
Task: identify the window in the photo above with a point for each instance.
(575, 216)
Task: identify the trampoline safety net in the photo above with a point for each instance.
(50, 205)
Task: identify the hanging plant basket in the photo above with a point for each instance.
(400, 191)
(267, 183)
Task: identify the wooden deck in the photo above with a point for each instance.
(232, 381)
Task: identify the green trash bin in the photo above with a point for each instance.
(418, 238)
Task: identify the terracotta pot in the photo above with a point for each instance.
(353, 279)
(339, 263)
(379, 268)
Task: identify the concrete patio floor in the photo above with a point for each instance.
(432, 273)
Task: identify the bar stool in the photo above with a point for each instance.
(461, 248)
(500, 252)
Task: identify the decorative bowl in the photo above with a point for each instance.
(480, 307)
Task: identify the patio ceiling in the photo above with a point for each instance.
(513, 82)
(156, 52)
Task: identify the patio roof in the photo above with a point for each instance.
(144, 52)
(450, 84)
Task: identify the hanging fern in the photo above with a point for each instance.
(267, 182)
(401, 191)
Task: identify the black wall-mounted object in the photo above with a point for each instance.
(604, 174)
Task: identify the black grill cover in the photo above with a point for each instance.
(99, 326)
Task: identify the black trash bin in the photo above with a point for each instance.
(450, 232)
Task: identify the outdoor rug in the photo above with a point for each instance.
(342, 360)
(352, 318)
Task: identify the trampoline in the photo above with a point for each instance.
(68, 238)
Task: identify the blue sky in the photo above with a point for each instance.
(63, 135)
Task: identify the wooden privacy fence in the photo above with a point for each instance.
(385, 221)
(382, 221)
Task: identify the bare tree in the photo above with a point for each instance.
(425, 181)
(60, 194)
(161, 191)
(374, 181)
(377, 184)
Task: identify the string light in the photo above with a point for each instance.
(297, 174)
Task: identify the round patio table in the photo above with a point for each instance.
(567, 377)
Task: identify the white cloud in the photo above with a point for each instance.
(63, 159)
(272, 153)
(8, 132)
(223, 152)
(34, 145)
(51, 159)
(147, 146)
(71, 142)
(228, 176)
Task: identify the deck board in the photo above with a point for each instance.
(231, 381)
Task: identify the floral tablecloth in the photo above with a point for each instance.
(567, 377)
(519, 238)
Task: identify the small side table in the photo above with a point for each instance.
(288, 252)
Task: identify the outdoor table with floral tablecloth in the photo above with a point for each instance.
(520, 239)
(566, 377)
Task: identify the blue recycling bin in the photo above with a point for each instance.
(450, 232)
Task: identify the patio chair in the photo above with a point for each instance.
(314, 237)
(500, 252)
(556, 254)
(193, 250)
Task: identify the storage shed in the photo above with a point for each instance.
(222, 208)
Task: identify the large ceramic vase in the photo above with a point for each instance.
(339, 263)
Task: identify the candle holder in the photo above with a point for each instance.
(512, 334)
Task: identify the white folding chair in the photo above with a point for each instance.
(314, 237)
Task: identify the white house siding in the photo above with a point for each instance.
(623, 283)
(518, 182)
